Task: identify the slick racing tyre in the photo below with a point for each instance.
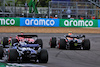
(14, 41)
(53, 42)
(86, 44)
(5, 41)
(12, 55)
(72, 45)
(39, 41)
(62, 44)
(1, 52)
(43, 56)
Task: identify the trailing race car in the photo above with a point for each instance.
(70, 42)
(25, 50)
(29, 38)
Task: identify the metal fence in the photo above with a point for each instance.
(75, 10)
(61, 9)
(8, 8)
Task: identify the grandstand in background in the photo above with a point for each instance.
(63, 9)
(75, 9)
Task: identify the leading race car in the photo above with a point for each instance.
(9, 41)
(24, 50)
(70, 41)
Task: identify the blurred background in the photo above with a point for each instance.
(62, 9)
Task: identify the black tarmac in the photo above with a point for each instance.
(68, 58)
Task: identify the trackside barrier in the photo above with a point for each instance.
(9, 21)
(39, 22)
(78, 23)
(99, 23)
(43, 22)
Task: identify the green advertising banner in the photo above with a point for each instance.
(78, 23)
(9, 21)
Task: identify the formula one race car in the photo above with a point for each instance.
(24, 50)
(29, 38)
(70, 42)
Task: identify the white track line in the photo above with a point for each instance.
(23, 65)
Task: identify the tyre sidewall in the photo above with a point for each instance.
(43, 56)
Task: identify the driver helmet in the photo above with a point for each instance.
(10, 36)
(22, 42)
(70, 33)
(22, 33)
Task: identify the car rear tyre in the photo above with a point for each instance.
(86, 44)
(62, 44)
(39, 41)
(53, 42)
(1, 52)
(5, 41)
(12, 55)
(71, 45)
(14, 41)
(43, 56)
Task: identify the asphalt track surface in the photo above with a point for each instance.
(67, 58)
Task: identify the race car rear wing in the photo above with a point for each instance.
(27, 36)
(75, 36)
